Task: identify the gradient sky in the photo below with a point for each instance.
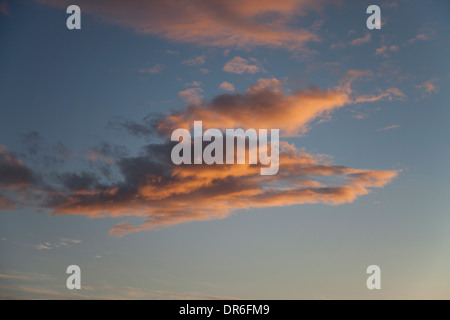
(85, 171)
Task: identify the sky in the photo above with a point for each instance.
(86, 176)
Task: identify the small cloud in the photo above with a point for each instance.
(3, 239)
(227, 86)
(192, 95)
(42, 247)
(193, 84)
(196, 61)
(429, 87)
(394, 48)
(240, 65)
(226, 52)
(383, 51)
(360, 41)
(338, 45)
(424, 34)
(63, 242)
(94, 155)
(394, 126)
(154, 70)
(4, 8)
(360, 116)
(71, 240)
(204, 70)
(172, 52)
(397, 93)
(98, 257)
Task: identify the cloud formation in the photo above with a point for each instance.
(192, 95)
(227, 86)
(222, 23)
(240, 65)
(153, 70)
(362, 40)
(195, 61)
(429, 86)
(151, 187)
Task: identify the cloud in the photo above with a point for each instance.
(25, 276)
(240, 65)
(62, 242)
(39, 152)
(360, 116)
(429, 86)
(391, 94)
(172, 52)
(192, 95)
(266, 105)
(6, 203)
(263, 105)
(221, 23)
(196, 61)
(4, 8)
(227, 86)
(394, 126)
(360, 41)
(338, 45)
(193, 84)
(29, 289)
(14, 174)
(42, 247)
(424, 34)
(95, 155)
(164, 194)
(150, 187)
(154, 70)
(383, 50)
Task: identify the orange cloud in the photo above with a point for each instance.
(162, 194)
(192, 95)
(429, 86)
(196, 61)
(360, 41)
(227, 86)
(263, 105)
(179, 194)
(240, 65)
(210, 23)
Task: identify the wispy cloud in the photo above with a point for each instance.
(362, 40)
(240, 65)
(153, 70)
(424, 34)
(172, 52)
(383, 50)
(429, 86)
(192, 95)
(193, 84)
(195, 61)
(62, 242)
(4, 8)
(210, 23)
(394, 126)
(227, 86)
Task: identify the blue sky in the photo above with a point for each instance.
(80, 147)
